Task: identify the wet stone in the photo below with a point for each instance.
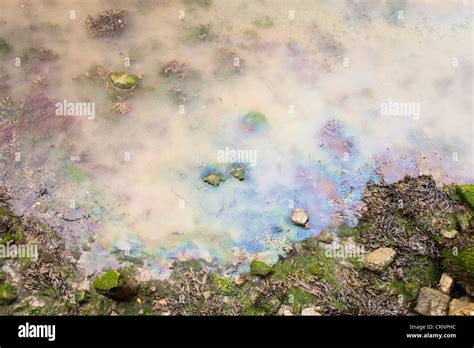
(214, 179)
(299, 217)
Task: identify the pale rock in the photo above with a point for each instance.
(379, 259)
(311, 311)
(449, 234)
(432, 302)
(299, 217)
(446, 283)
(461, 308)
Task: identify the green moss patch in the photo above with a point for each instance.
(466, 193)
(107, 281)
(8, 294)
(260, 268)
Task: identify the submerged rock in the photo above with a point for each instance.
(107, 23)
(260, 268)
(4, 47)
(432, 302)
(255, 120)
(379, 259)
(214, 179)
(123, 81)
(8, 294)
(173, 68)
(461, 308)
(299, 217)
(446, 283)
(117, 285)
(238, 173)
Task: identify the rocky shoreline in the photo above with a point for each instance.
(411, 253)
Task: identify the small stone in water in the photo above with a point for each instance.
(122, 81)
(214, 179)
(238, 173)
(299, 217)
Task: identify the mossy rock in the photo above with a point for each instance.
(260, 268)
(214, 179)
(466, 193)
(269, 304)
(224, 286)
(460, 265)
(82, 296)
(8, 294)
(462, 222)
(155, 287)
(255, 120)
(117, 285)
(123, 81)
(423, 272)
